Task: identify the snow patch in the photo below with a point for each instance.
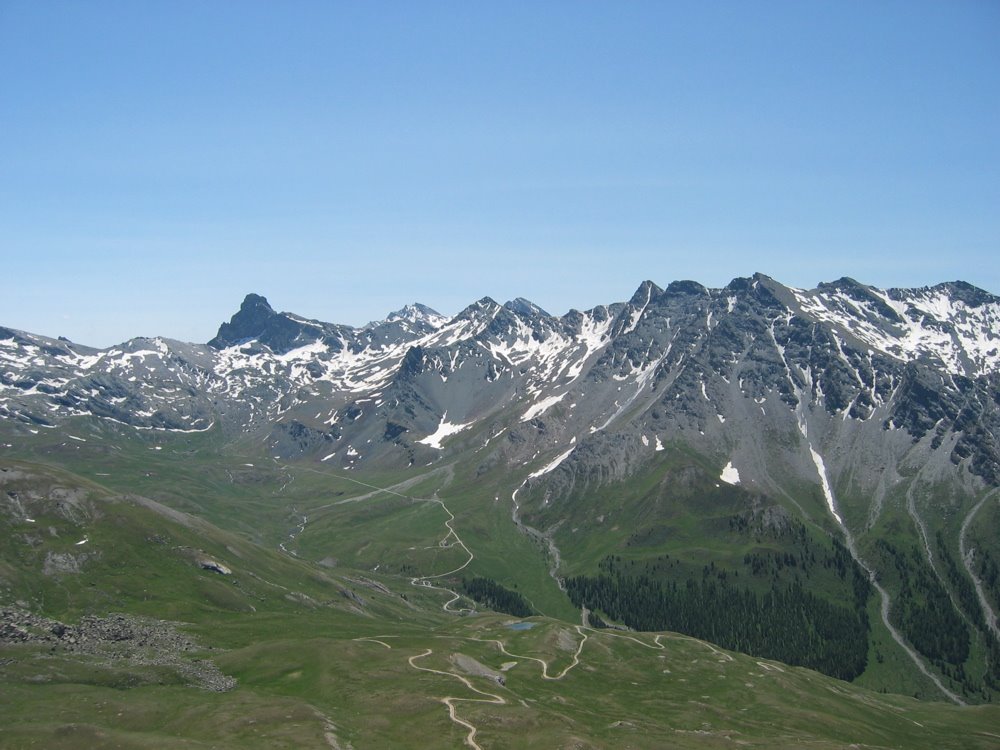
(825, 483)
(444, 429)
(928, 323)
(730, 474)
(549, 467)
(542, 406)
(307, 352)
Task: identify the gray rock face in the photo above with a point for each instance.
(61, 563)
(847, 363)
(256, 322)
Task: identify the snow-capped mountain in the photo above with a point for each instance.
(685, 360)
(414, 316)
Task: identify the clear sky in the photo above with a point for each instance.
(159, 160)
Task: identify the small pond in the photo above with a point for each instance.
(522, 625)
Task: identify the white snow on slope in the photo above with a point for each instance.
(412, 313)
(542, 406)
(730, 475)
(932, 324)
(636, 315)
(831, 503)
(550, 466)
(306, 353)
(592, 338)
(444, 429)
(803, 424)
(642, 377)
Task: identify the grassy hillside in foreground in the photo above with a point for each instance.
(331, 679)
(337, 657)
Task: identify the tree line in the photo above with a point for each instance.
(492, 595)
(787, 623)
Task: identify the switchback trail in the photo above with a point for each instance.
(498, 700)
(449, 701)
(398, 491)
(425, 581)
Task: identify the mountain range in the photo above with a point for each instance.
(808, 476)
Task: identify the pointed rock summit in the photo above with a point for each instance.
(416, 313)
(526, 307)
(479, 308)
(257, 321)
(645, 293)
(413, 311)
(253, 317)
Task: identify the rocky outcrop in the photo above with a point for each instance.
(118, 639)
(215, 567)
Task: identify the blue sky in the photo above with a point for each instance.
(159, 160)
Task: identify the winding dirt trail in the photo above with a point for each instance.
(425, 581)
(377, 640)
(886, 604)
(498, 700)
(303, 519)
(398, 490)
(394, 489)
(545, 665)
(450, 701)
(911, 508)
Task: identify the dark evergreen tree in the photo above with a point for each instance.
(492, 595)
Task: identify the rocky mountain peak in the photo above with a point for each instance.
(484, 305)
(255, 303)
(843, 284)
(416, 313)
(677, 288)
(252, 318)
(962, 291)
(526, 307)
(257, 320)
(647, 291)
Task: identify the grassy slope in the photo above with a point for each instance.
(676, 509)
(305, 681)
(301, 677)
